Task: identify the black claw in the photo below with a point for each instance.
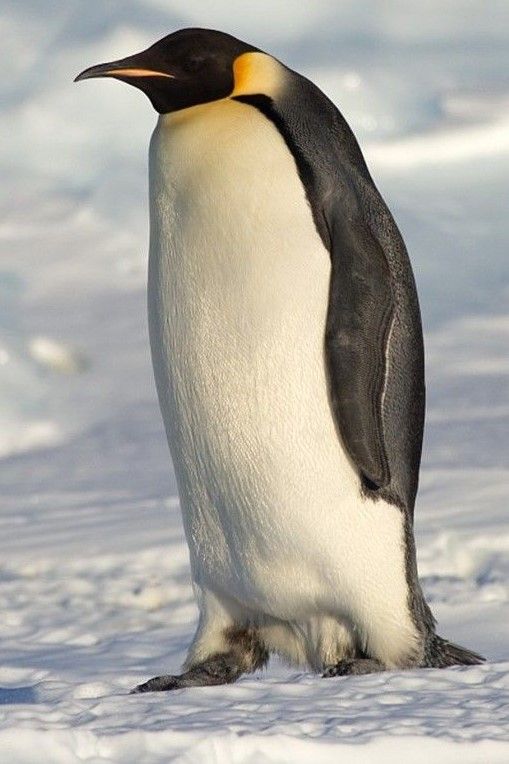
(218, 669)
(353, 666)
(158, 684)
(340, 669)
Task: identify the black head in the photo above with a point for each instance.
(186, 68)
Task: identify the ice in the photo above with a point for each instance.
(95, 593)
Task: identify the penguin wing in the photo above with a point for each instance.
(360, 313)
(373, 344)
(373, 338)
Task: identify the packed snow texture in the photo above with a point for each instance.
(95, 593)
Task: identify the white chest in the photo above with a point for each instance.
(238, 289)
(239, 278)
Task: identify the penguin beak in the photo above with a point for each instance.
(146, 71)
(124, 69)
(159, 72)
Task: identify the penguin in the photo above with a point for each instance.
(287, 350)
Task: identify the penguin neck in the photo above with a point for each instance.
(254, 74)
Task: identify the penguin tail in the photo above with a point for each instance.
(444, 653)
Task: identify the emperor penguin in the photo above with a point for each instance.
(287, 350)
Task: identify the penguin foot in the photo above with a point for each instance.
(353, 667)
(219, 669)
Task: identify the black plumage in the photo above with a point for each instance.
(373, 337)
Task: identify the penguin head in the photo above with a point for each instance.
(186, 68)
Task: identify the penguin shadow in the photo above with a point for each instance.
(13, 696)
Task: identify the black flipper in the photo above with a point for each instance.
(373, 344)
(361, 308)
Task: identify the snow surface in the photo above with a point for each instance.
(94, 577)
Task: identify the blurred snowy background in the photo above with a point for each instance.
(94, 585)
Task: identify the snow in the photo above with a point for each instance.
(94, 577)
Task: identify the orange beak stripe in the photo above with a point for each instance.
(139, 73)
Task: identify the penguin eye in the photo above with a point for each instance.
(194, 64)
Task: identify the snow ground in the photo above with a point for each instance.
(94, 580)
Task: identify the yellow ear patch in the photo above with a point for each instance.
(257, 73)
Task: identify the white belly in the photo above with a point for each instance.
(238, 290)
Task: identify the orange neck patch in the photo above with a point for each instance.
(257, 73)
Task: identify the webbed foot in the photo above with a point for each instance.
(219, 669)
(354, 667)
